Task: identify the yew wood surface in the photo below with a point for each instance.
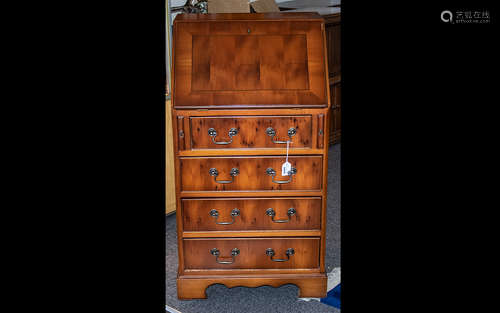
(310, 285)
(252, 173)
(196, 214)
(248, 271)
(252, 233)
(252, 253)
(251, 193)
(219, 91)
(251, 131)
(259, 63)
(185, 129)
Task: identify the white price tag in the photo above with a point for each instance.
(286, 168)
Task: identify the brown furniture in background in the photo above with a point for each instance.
(332, 23)
(244, 84)
(330, 11)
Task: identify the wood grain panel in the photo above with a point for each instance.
(252, 233)
(252, 193)
(250, 63)
(245, 62)
(310, 285)
(252, 173)
(196, 214)
(251, 131)
(252, 253)
(244, 151)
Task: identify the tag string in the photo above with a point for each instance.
(287, 142)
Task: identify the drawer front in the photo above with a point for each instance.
(251, 214)
(250, 173)
(226, 132)
(251, 253)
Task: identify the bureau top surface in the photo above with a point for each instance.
(307, 16)
(249, 60)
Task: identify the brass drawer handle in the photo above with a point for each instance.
(291, 211)
(214, 172)
(214, 213)
(289, 252)
(272, 133)
(271, 172)
(213, 133)
(216, 252)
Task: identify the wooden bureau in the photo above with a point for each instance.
(244, 85)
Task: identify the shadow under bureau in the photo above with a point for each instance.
(243, 86)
